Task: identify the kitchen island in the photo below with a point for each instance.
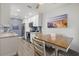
(8, 43)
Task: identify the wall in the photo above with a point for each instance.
(73, 23)
(0, 13)
(5, 14)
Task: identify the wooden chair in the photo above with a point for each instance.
(39, 47)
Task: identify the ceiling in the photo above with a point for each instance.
(21, 9)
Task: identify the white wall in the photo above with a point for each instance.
(5, 14)
(0, 13)
(73, 23)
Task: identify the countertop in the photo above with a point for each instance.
(7, 34)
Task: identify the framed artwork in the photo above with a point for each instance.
(58, 22)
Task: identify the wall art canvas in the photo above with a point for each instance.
(58, 22)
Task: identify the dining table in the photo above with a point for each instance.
(58, 42)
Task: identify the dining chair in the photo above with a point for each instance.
(39, 47)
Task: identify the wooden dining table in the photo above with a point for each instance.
(58, 43)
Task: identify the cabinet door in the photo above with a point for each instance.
(8, 46)
(35, 20)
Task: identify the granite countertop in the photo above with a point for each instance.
(7, 34)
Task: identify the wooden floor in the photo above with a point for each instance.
(24, 48)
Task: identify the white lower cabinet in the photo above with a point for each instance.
(8, 46)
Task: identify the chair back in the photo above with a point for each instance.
(39, 47)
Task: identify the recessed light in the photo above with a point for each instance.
(18, 10)
(25, 17)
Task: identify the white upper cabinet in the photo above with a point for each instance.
(35, 20)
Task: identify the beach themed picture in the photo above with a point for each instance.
(58, 22)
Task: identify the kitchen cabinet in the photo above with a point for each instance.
(37, 20)
(8, 44)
